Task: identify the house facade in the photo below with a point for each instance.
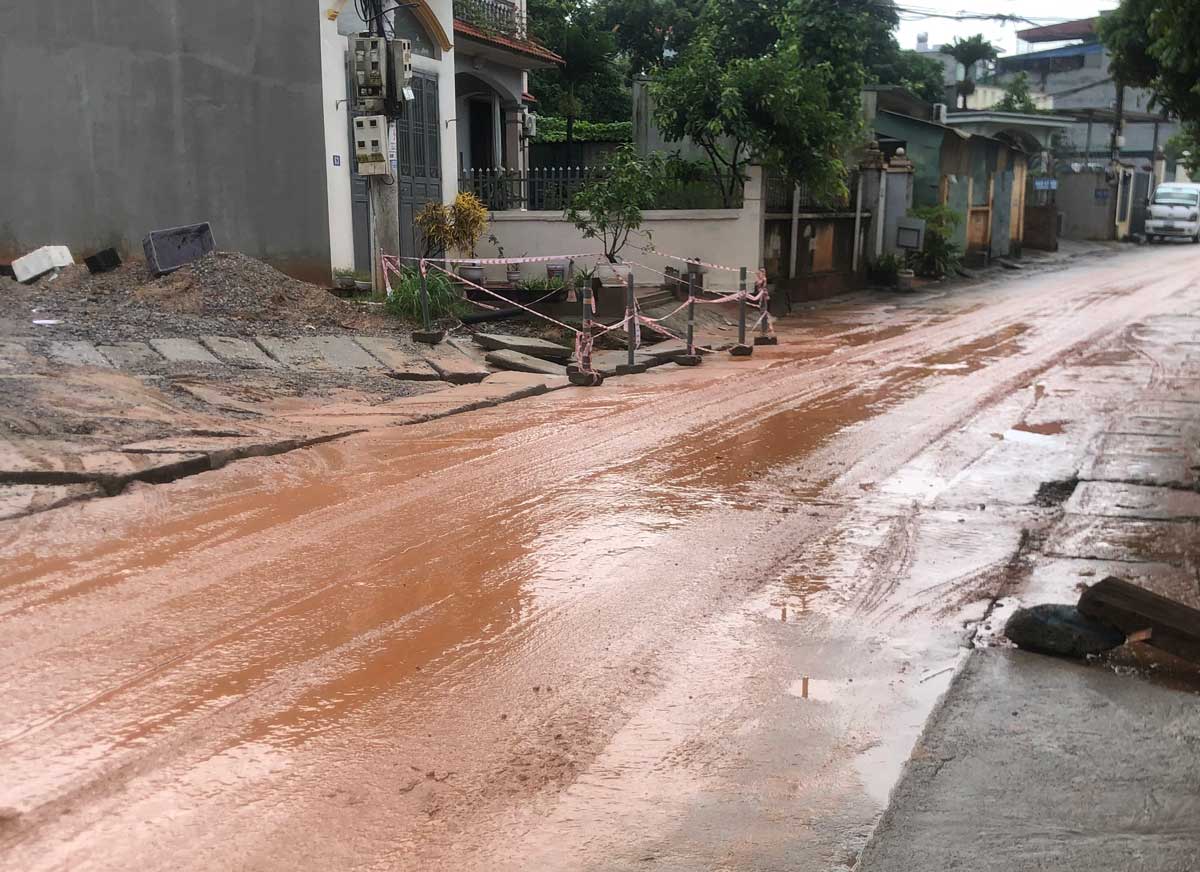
(138, 115)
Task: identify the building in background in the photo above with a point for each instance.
(140, 115)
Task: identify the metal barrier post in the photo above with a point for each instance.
(690, 358)
(630, 366)
(426, 334)
(582, 374)
(742, 349)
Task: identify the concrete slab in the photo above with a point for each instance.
(523, 344)
(182, 351)
(454, 366)
(130, 355)
(238, 352)
(400, 364)
(342, 352)
(78, 354)
(1037, 763)
(515, 360)
(1115, 500)
(25, 499)
(299, 351)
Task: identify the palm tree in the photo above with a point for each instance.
(970, 52)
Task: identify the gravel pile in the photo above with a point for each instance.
(223, 293)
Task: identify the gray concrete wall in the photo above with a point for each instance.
(121, 116)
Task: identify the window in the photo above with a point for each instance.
(1166, 196)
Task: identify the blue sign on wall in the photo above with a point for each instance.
(1102, 193)
(1045, 184)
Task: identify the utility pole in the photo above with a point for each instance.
(1118, 123)
(384, 196)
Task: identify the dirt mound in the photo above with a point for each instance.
(233, 285)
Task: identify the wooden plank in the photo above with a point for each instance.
(1174, 627)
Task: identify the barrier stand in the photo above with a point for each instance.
(690, 358)
(582, 373)
(766, 335)
(742, 349)
(631, 366)
(427, 334)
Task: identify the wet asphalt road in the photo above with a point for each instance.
(567, 633)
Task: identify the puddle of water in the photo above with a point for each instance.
(1045, 428)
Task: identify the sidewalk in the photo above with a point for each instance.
(1036, 763)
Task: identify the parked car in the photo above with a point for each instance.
(1174, 213)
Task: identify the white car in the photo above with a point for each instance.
(1174, 213)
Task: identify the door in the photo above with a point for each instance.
(418, 159)
(1002, 215)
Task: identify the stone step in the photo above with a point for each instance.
(342, 352)
(299, 351)
(506, 358)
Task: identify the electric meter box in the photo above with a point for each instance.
(910, 234)
(369, 72)
(401, 59)
(371, 145)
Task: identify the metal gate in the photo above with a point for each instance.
(1002, 214)
(418, 159)
(1141, 197)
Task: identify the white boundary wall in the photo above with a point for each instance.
(732, 237)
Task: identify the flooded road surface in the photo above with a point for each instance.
(689, 620)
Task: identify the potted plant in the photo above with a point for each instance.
(512, 271)
(455, 228)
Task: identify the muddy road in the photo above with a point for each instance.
(571, 632)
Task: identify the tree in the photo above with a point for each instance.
(1155, 44)
(609, 207)
(1184, 148)
(923, 76)
(651, 33)
(1017, 97)
(591, 82)
(776, 79)
(970, 52)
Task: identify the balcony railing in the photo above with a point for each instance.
(492, 16)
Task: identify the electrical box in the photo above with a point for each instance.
(371, 145)
(369, 72)
(910, 234)
(402, 70)
(530, 122)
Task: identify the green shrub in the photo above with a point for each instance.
(941, 255)
(886, 270)
(445, 299)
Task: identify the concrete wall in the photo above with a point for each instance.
(339, 152)
(122, 116)
(732, 237)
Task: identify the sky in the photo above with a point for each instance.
(1002, 35)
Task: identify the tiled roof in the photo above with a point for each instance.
(521, 46)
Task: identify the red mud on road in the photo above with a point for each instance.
(567, 633)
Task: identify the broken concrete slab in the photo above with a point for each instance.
(1118, 500)
(238, 352)
(130, 355)
(26, 499)
(300, 351)
(77, 353)
(342, 352)
(516, 360)
(665, 352)
(524, 345)
(183, 351)
(454, 366)
(400, 364)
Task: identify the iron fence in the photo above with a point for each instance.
(779, 192)
(537, 189)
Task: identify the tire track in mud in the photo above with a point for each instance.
(629, 434)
